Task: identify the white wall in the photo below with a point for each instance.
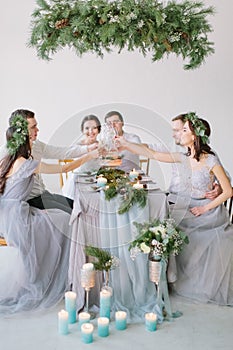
(149, 94)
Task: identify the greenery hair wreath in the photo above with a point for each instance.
(19, 135)
(198, 125)
(145, 25)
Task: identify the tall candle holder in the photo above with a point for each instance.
(88, 282)
(157, 275)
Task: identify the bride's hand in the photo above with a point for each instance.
(197, 211)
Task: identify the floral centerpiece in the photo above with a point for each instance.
(160, 238)
(119, 183)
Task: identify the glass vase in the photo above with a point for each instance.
(157, 275)
(106, 281)
(154, 267)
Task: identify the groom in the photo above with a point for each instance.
(40, 197)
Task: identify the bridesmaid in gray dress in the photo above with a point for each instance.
(205, 266)
(41, 237)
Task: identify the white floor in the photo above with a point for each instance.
(207, 327)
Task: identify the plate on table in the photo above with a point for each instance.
(146, 179)
(152, 186)
(85, 180)
(85, 173)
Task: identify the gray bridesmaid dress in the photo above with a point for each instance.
(41, 239)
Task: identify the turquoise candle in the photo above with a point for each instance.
(105, 303)
(120, 319)
(151, 321)
(70, 306)
(87, 333)
(103, 326)
(133, 175)
(83, 317)
(63, 322)
(101, 181)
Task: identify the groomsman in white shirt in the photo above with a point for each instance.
(129, 160)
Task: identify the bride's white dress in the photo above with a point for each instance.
(34, 265)
(205, 266)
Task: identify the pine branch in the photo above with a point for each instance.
(104, 260)
(148, 26)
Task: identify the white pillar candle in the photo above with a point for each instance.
(103, 326)
(83, 317)
(88, 266)
(63, 322)
(138, 185)
(70, 305)
(151, 321)
(87, 333)
(120, 319)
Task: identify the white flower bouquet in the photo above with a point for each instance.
(161, 238)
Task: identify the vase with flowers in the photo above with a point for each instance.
(103, 261)
(159, 240)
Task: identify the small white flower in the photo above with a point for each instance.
(145, 248)
(134, 252)
(140, 24)
(162, 230)
(154, 229)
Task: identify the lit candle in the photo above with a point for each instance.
(101, 181)
(133, 175)
(103, 326)
(63, 322)
(88, 266)
(120, 318)
(87, 333)
(105, 303)
(151, 321)
(138, 185)
(83, 317)
(70, 306)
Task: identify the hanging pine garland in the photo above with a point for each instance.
(98, 26)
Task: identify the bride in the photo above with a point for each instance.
(205, 266)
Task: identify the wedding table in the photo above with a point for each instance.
(95, 222)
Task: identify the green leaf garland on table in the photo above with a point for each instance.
(98, 26)
(119, 183)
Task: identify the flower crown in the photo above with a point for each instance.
(198, 125)
(19, 136)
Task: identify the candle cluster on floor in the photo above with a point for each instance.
(83, 320)
(69, 314)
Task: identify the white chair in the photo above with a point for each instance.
(62, 162)
(228, 205)
(2, 242)
(144, 164)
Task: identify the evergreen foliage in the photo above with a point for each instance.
(119, 183)
(98, 26)
(104, 260)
